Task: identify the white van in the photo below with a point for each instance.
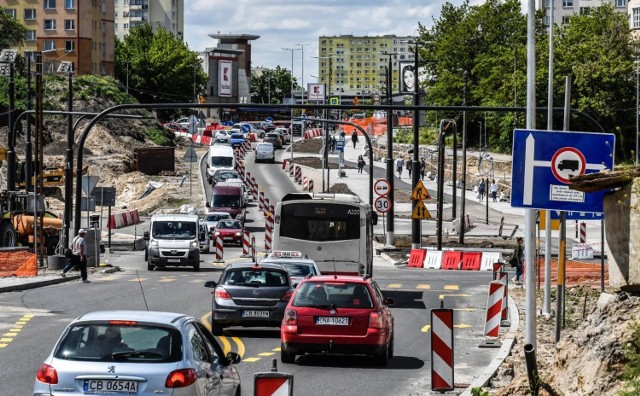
(173, 240)
(220, 157)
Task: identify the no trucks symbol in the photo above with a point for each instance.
(567, 162)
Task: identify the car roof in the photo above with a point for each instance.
(287, 260)
(264, 144)
(339, 278)
(169, 318)
(252, 264)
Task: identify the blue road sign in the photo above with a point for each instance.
(555, 215)
(245, 128)
(269, 119)
(543, 162)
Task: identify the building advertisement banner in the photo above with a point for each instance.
(315, 92)
(225, 78)
(407, 77)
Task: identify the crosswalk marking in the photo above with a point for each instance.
(251, 360)
(423, 287)
(266, 354)
(451, 287)
(136, 279)
(395, 286)
(462, 326)
(167, 280)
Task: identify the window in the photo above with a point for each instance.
(49, 45)
(30, 35)
(10, 11)
(49, 4)
(198, 345)
(69, 45)
(584, 10)
(621, 3)
(49, 24)
(565, 19)
(567, 3)
(29, 14)
(69, 24)
(69, 4)
(636, 18)
(547, 20)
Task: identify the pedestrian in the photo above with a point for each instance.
(408, 165)
(399, 167)
(78, 256)
(423, 165)
(361, 163)
(494, 190)
(354, 138)
(481, 188)
(332, 144)
(517, 260)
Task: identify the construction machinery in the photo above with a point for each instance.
(52, 178)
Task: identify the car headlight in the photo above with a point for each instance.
(194, 244)
(238, 234)
(153, 243)
(217, 233)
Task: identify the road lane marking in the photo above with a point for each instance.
(395, 285)
(137, 279)
(276, 349)
(266, 354)
(167, 280)
(465, 309)
(251, 359)
(196, 281)
(226, 345)
(423, 287)
(240, 345)
(451, 287)
(442, 296)
(425, 329)
(15, 330)
(206, 320)
(462, 326)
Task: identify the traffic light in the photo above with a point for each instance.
(201, 99)
(356, 101)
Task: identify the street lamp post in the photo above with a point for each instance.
(302, 66)
(291, 49)
(390, 214)
(7, 58)
(416, 230)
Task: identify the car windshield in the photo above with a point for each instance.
(226, 201)
(237, 136)
(229, 224)
(216, 217)
(222, 161)
(130, 343)
(260, 277)
(173, 229)
(226, 175)
(338, 294)
(298, 269)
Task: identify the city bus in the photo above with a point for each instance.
(334, 230)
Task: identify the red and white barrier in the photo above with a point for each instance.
(268, 231)
(219, 250)
(305, 183)
(298, 177)
(504, 316)
(197, 138)
(310, 189)
(494, 313)
(433, 259)
(583, 232)
(261, 201)
(488, 258)
(246, 237)
(266, 206)
(291, 168)
(123, 219)
(254, 188)
(313, 132)
(442, 349)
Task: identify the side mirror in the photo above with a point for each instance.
(233, 358)
(145, 235)
(210, 284)
(389, 301)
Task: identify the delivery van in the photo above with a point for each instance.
(220, 157)
(173, 240)
(228, 197)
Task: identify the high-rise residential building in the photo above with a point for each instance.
(74, 31)
(352, 66)
(166, 13)
(564, 9)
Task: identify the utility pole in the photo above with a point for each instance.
(68, 168)
(416, 230)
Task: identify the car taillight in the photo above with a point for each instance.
(287, 296)
(375, 320)
(222, 294)
(180, 378)
(47, 374)
(291, 318)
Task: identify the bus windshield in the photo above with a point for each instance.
(320, 222)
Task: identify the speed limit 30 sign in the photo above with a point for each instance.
(382, 204)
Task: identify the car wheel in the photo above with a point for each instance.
(196, 267)
(391, 348)
(286, 356)
(216, 329)
(150, 267)
(146, 254)
(383, 358)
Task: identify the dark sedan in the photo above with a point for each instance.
(273, 138)
(249, 295)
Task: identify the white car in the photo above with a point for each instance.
(211, 219)
(297, 265)
(265, 152)
(222, 136)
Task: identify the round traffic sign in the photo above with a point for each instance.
(382, 204)
(566, 162)
(381, 187)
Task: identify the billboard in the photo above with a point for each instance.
(407, 77)
(225, 78)
(315, 92)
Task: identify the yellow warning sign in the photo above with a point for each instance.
(420, 212)
(420, 192)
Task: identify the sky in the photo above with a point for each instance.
(287, 23)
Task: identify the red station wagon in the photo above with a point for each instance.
(337, 314)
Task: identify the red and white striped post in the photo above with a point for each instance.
(583, 232)
(291, 168)
(494, 312)
(266, 206)
(254, 188)
(310, 189)
(442, 349)
(284, 164)
(497, 267)
(305, 183)
(261, 202)
(219, 250)
(253, 248)
(268, 229)
(298, 177)
(246, 238)
(247, 179)
(504, 317)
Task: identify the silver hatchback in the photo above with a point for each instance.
(137, 353)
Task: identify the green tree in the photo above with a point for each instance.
(272, 84)
(158, 67)
(12, 31)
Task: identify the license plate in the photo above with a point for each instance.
(255, 314)
(228, 238)
(173, 260)
(119, 387)
(332, 321)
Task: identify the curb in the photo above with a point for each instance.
(33, 285)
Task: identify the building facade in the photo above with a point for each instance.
(356, 66)
(132, 13)
(563, 9)
(80, 32)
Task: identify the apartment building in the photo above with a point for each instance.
(166, 13)
(351, 66)
(80, 32)
(563, 9)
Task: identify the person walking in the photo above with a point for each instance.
(361, 163)
(399, 167)
(78, 256)
(517, 260)
(481, 188)
(494, 190)
(409, 166)
(354, 138)
(423, 165)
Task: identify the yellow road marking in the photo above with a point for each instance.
(196, 281)
(3, 345)
(465, 309)
(395, 286)
(266, 354)
(425, 329)
(29, 316)
(451, 287)
(276, 349)
(240, 345)
(6, 339)
(136, 279)
(453, 295)
(462, 326)
(423, 287)
(251, 360)
(10, 334)
(226, 345)
(167, 280)
(14, 330)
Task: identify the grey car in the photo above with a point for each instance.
(138, 353)
(249, 295)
